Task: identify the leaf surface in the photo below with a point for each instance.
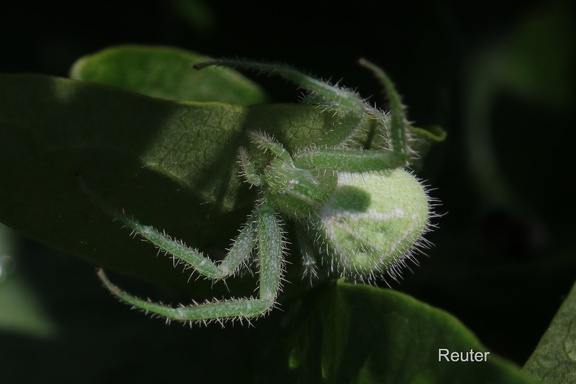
(170, 164)
(362, 334)
(166, 73)
(135, 124)
(554, 360)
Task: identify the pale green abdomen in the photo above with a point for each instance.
(371, 223)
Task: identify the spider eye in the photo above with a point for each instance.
(372, 222)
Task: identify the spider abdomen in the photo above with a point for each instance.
(371, 223)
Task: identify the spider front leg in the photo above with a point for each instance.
(339, 99)
(237, 255)
(329, 96)
(399, 123)
(262, 231)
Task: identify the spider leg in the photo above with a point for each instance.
(237, 254)
(271, 268)
(331, 97)
(267, 143)
(248, 168)
(399, 122)
(349, 160)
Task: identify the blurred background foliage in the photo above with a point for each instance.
(497, 75)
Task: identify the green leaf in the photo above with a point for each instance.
(170, 164)
(554, 360)
(166, 73)
(21, 307)
(361, 334)
(147, 142)
(141, 154)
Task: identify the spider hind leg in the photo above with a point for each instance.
(262, 231)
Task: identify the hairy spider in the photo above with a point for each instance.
(356, 211)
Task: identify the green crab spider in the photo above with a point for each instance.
(356, 212)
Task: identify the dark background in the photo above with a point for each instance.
(504, 252)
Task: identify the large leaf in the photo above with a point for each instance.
(170, 164)
(148, 142)
(166, 73)
(361, 334)
(21, 310)
(554, 360)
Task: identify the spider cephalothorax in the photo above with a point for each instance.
(356, 211)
